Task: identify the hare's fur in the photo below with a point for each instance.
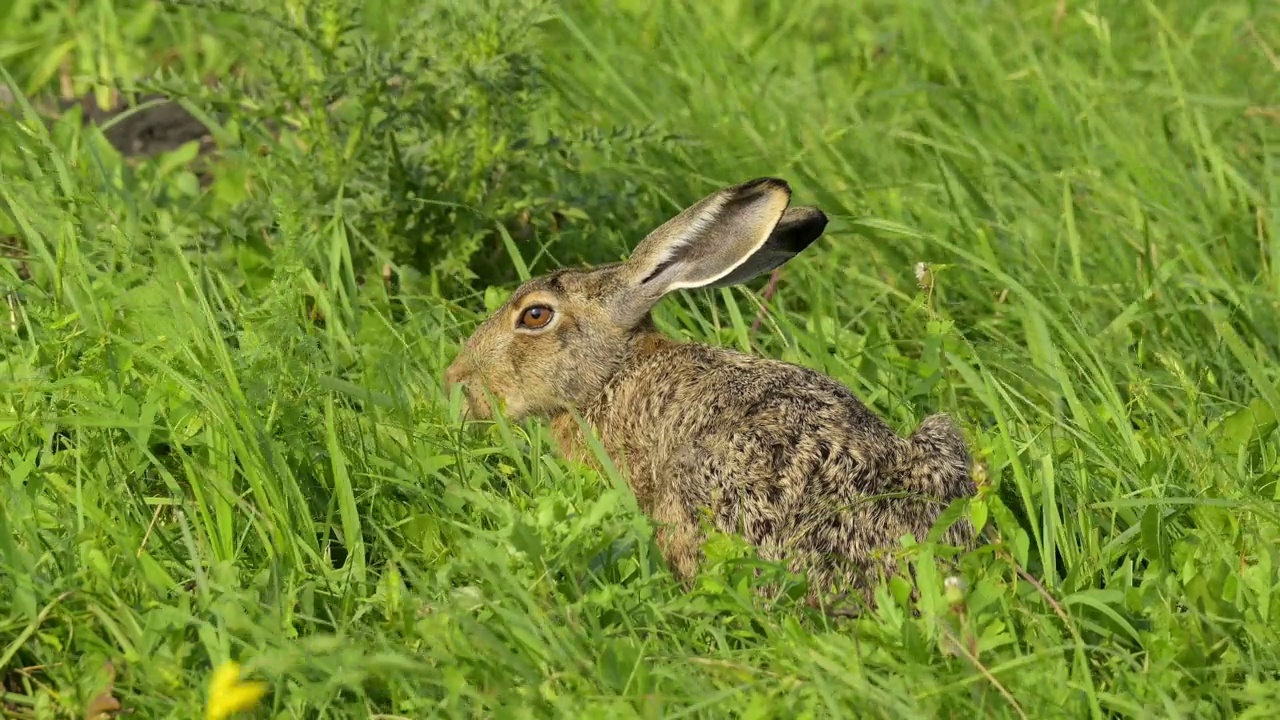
(779, 454)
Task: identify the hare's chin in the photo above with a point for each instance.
(474, 408)
(479, 408)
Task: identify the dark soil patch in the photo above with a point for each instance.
(155, 125)
(151, 125)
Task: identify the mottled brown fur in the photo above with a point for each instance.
(780, 454)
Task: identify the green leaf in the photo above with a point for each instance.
(1255, 422)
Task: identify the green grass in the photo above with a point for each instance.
(195, 470)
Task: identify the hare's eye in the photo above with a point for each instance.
(535, 317)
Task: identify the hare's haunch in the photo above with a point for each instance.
(780, 454)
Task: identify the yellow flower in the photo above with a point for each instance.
(228, 694)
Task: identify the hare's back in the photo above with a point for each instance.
(761, 422)
(740, 391)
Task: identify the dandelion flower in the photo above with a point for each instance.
(954, 588)
(924, 276)
(228, 694)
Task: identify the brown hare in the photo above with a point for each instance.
(779, 454)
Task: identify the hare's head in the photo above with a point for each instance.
(560, 337)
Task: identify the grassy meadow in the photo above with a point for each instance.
(223, 434)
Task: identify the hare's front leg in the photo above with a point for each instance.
(679, 537)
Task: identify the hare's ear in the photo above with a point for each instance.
(797, 230)
(727, 237)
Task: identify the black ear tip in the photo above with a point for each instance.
(799, 228)
(815, 219)
(810, 218)
(765, 184)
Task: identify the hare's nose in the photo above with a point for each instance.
(455, 375)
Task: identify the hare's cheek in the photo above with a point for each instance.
(525, 358)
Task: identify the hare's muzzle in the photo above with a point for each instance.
(456, 374)
(461, 374)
